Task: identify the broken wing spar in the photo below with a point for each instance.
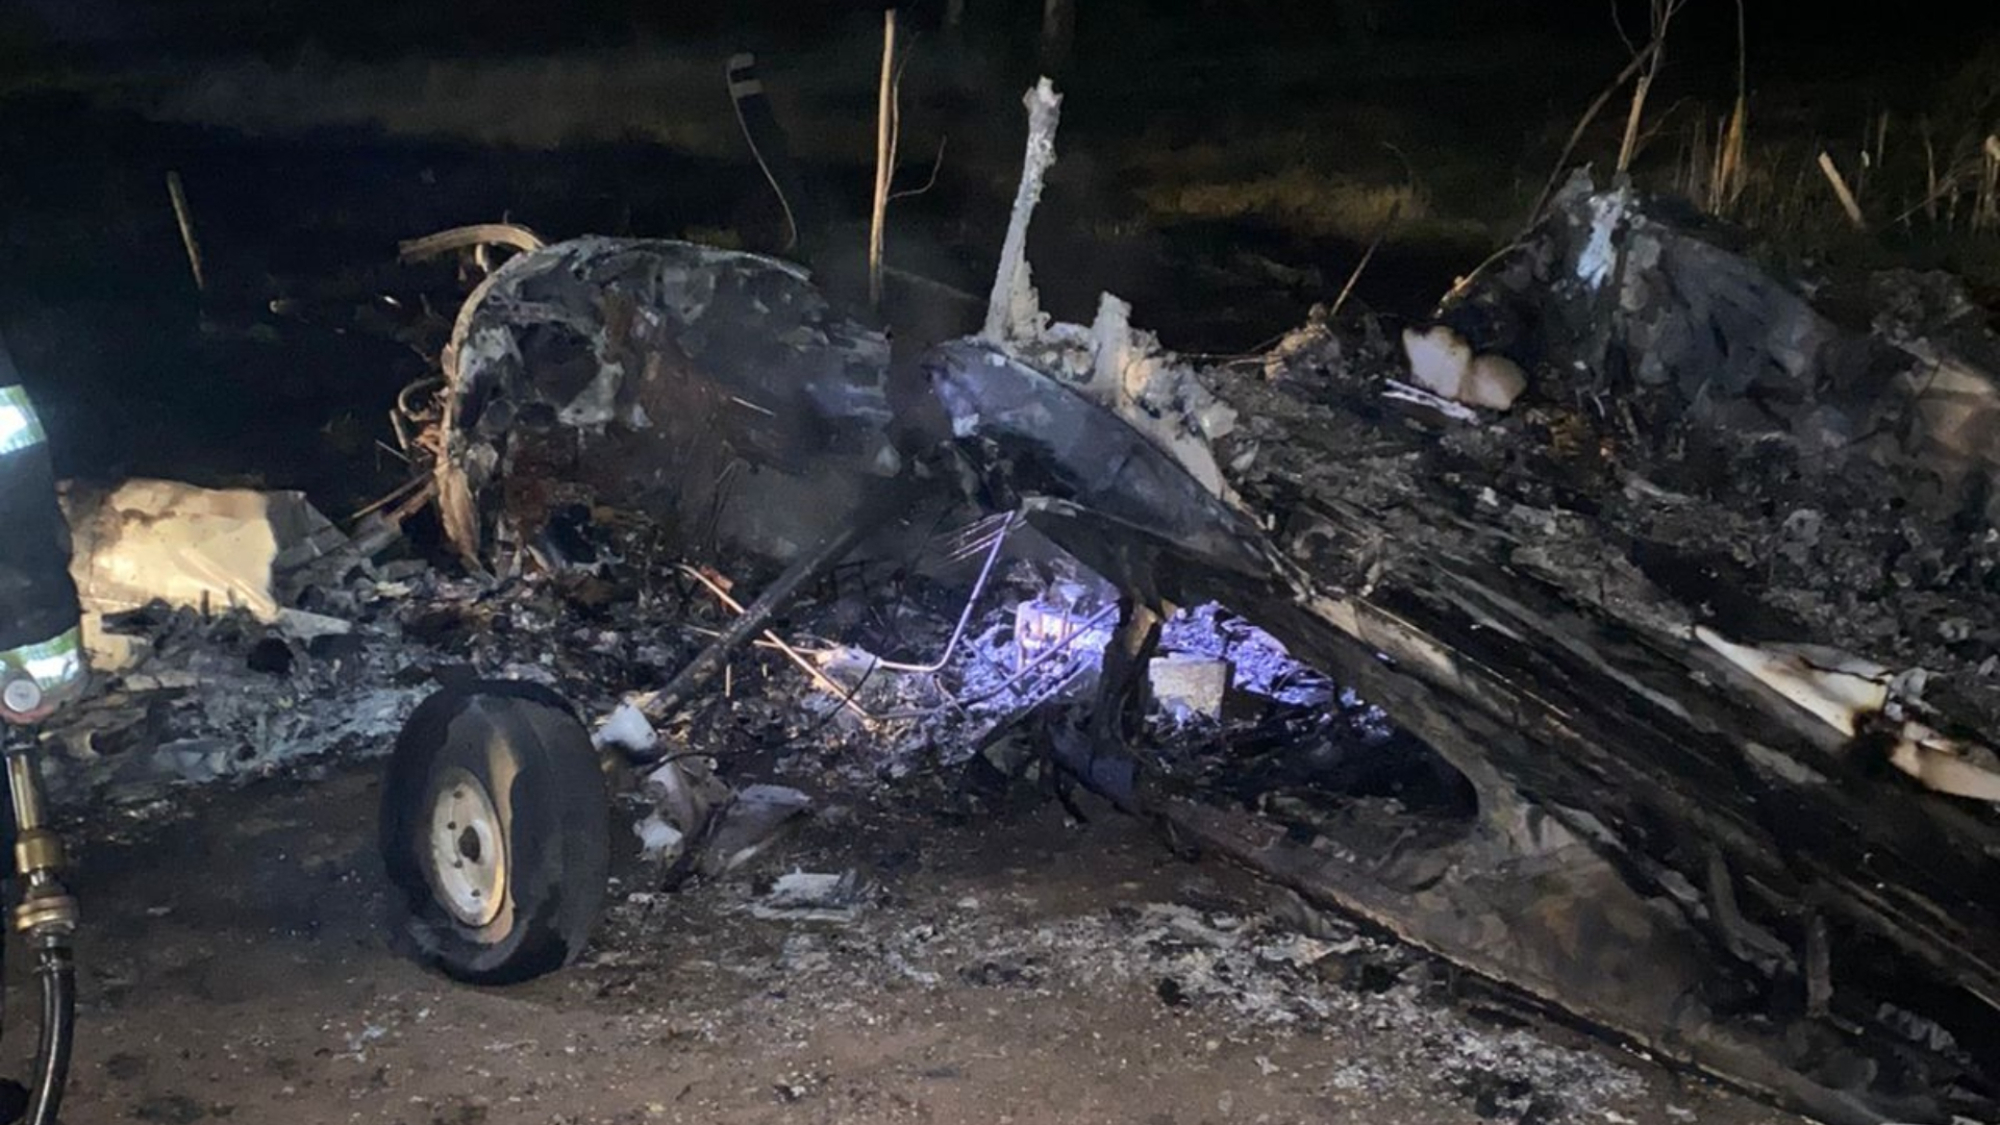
(717, 391)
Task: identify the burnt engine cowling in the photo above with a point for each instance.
(714, 391)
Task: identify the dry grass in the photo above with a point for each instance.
(1931, 180)
(1338, 174)
(1301, 199)
(1901, 178)
(1324, 168)
(1722, 173)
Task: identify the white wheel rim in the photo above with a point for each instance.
(468, 849)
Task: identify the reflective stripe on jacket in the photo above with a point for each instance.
(52, 664)
(19, 428)
(38, 607)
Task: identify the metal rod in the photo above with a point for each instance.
(24, 789)
(758, 614)
(1055, 650)
(773, 640)
(965, 615)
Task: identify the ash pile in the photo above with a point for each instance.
(239, 633)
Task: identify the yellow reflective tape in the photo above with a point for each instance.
(19, 428)
(53, 663)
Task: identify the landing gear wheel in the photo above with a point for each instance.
(468, 860)
(495, 831)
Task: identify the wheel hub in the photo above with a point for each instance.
(468, 849)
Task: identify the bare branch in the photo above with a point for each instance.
(930, 183)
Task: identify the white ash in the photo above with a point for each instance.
(1257, 978)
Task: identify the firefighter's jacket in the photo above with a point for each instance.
(38, 606)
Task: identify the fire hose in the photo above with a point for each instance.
(46, 918)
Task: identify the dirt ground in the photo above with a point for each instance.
(1008, 965)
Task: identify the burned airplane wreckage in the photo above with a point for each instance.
(1728, 799)
(1627, 637)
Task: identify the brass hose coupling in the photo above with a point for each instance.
(47, 910)
(47, 914)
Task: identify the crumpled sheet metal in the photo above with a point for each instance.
(1448, 649)
(1692, 312)
(699, 820)
(1102, 488)
(652, 374)
(1626, 287)
(210, 549)
(1943, 411)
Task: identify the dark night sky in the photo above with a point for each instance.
(1868, 31)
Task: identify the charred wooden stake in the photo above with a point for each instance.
(885, 158)
(1848, 203)
(184, 216)
(1121, 700)
(1098, 755)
